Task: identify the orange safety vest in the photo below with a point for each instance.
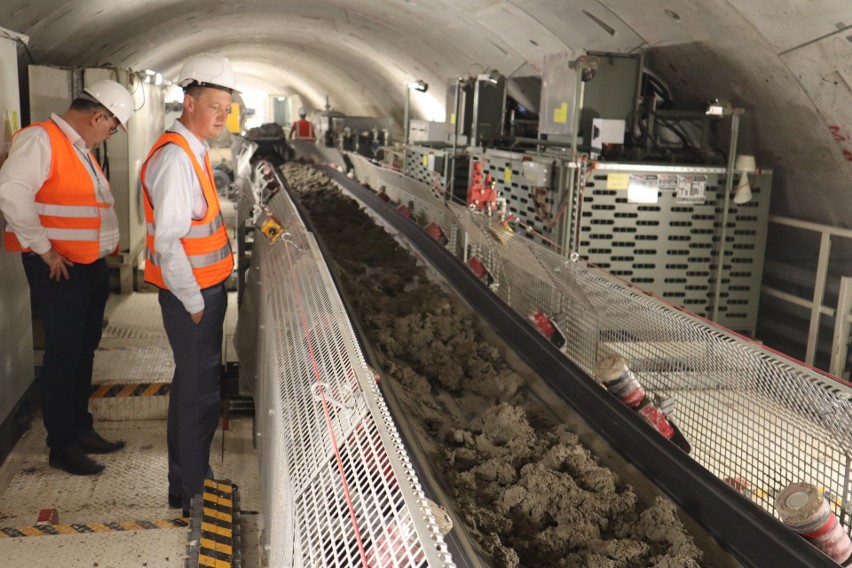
(304, 130)
(67, 203)
(206, 244)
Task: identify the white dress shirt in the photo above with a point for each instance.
(25, 171)
(177, 197)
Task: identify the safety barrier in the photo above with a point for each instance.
(754, 418)
(338, 487)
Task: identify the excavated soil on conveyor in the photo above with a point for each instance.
(528, 491)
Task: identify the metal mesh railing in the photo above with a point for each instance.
(424, 204)
(338, 488)
(754, 418)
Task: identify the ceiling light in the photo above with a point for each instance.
(719, 108)
(419, 85)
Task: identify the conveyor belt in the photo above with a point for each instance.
(460, 543)
(748, 533)
(338, 487)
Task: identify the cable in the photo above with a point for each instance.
(676, 131)
(471, 65)
(657, 87)
(144, 97)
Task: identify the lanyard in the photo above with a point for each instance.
(95, 173)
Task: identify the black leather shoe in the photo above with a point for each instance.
(175, 501)
(75, 462)
(92, 443)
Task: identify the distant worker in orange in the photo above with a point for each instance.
(302, 129)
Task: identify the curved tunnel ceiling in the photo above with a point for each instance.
(787, 62)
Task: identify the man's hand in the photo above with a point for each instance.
(196, 317)
(58, 264)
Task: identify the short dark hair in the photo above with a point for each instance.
(194, 88)
(85, 105)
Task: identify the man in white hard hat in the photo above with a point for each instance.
(302, 129)
(189, 258)
(59, 215)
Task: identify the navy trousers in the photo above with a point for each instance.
(72, 315)
(194, 395)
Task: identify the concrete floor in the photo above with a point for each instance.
(133, 487)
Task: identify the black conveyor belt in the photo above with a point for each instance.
(747, 532)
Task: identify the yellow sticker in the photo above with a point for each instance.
(617, 181)
(233, 119)
(507, 175)
(11, 123)
(11, 126)
(453, 118)
(425, 160)
(560, 114)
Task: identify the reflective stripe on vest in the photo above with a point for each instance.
(66, 203)
(206, 243)
(196, 261)
(72, 235)
(195, 231)
(67, 210)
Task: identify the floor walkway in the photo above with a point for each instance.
(120, 518)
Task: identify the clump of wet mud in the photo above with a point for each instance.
(525, 487)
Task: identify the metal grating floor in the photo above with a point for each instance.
(161, 548)
(134, 350)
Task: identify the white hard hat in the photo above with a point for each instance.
(302, 111)
(208, 70)
(114, 97)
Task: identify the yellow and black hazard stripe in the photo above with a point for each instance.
(114, 390)
(84, 528)
(218, 539)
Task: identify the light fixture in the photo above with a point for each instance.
(158, 79)
(587, 66)
(465, 81)
(719, 108)
(419, 85)
(493, 77)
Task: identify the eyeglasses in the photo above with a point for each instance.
(114, 129)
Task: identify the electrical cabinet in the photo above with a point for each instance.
(16, 337)
(578, 89)
(656, 226)
(481, 107)
(460, 113)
